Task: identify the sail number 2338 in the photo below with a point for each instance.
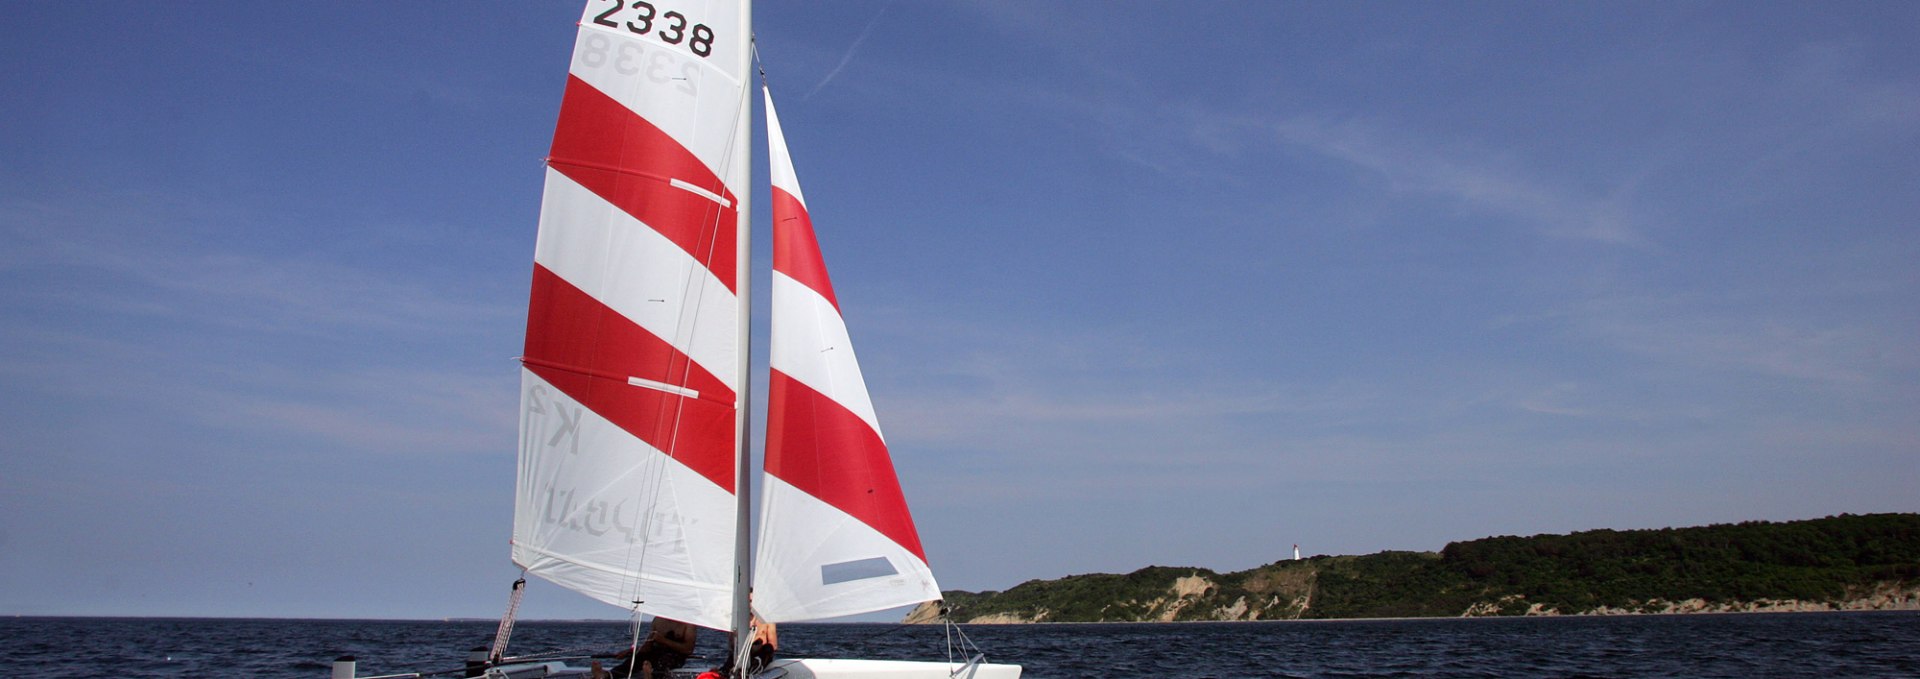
(669, 27)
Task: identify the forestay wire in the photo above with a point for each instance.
(960, 650)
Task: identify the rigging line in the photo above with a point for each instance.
(645, 525)
(633, 645)
(693, 287)
(968, 650)
(753, 46)
(713, 226)
(696, 284)
(949, 630)
(604, 288)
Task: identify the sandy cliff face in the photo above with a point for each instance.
(923, 614)
(929, 614)
(1276, 594)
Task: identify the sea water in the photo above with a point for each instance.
(1744, 645)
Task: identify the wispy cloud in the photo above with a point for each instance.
(1554, 400)
(374, 410)
(1823, 97)
(383, 412)
(1116, 411)
(1472, 177)
(108, 273)
(1689, 332)
(296, 347)
(847, 57)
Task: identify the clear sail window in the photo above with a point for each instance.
(859, 569)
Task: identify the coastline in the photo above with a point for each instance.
(1885, 597)
(1548, 616)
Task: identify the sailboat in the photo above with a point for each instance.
(633, 485)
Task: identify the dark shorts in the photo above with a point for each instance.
(662, 661)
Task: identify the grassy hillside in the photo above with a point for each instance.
(1820, 562)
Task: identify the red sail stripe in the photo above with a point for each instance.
(627, 161)
(830, 453)
(795, 251)
(588, 351)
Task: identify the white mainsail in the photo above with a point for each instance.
(836, 537)
(631, 388)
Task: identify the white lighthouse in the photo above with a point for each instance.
(1296, 551)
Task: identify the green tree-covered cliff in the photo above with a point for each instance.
(1846, 561)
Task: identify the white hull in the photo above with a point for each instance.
(804, 668)
(818, 668)
(536, 671)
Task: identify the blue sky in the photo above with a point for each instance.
(1135, 283)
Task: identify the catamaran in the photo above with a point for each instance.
(633, 483)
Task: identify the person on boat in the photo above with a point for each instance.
(766, 640)
(668, 644)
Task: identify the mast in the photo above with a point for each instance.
(743, 415)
